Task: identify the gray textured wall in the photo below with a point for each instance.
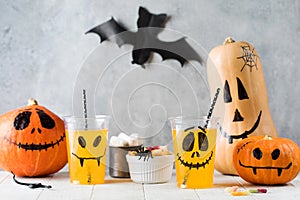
(45, 54)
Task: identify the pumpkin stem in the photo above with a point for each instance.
(268, 137)
(228, 40)
(32, 101)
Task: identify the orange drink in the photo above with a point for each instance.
(86, 147)
(194, 143)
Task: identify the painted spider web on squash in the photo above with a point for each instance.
(249, 57)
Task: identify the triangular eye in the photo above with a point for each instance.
(241, 90)
(227, 94)
(22, 120)
(188, 142)
(46, 121)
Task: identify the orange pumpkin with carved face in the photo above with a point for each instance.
(235, 67)
(32, 141)
(266, 160)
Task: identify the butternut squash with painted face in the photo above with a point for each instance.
(246, 111)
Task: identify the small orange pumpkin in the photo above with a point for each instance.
(32, 141)
(245, 99)
(266, 160)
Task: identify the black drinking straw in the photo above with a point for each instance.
(209, 114)
(84, 108)
(211, 108)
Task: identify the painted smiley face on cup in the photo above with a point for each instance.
(196, 147)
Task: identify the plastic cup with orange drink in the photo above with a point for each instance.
(86, 147)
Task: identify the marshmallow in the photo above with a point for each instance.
(124, 137)
(124, 140)
(116, 141)
(135, 140)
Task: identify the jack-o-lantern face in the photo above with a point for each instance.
(267, 160)
(235, 95)
(89, 148)
(196, 148)
(87, 155)
(32, 141)
(195, 155)
(37, 125)
(245, 103)
(258, 155)
(242, 95)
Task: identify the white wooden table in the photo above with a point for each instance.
(126, 189)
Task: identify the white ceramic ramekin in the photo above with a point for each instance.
(154, 170)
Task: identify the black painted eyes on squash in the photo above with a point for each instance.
(22, 120)
(242, 93)
(257, 153)
(275, 154)
(227, 93)
(241, 90)
(46, 120)
(82, 142)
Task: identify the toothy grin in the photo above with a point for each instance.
(36, 147)
(194, 165)
(242, 135)
(82, 159)
(254, 169)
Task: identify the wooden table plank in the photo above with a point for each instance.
(3, 176)
(126, 189)
(116, 189)
(217, 191)
(168, 191)
(287, 191)
(111, 189)
(10, 190)
(290, 190)
(63, 189)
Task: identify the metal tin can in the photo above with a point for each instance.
(118, 166)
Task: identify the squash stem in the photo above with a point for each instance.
(268, 137)
(228, 40)
(32, 101)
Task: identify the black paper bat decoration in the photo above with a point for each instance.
(145, 40)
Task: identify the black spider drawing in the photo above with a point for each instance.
(144, 153)
(250, 59)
